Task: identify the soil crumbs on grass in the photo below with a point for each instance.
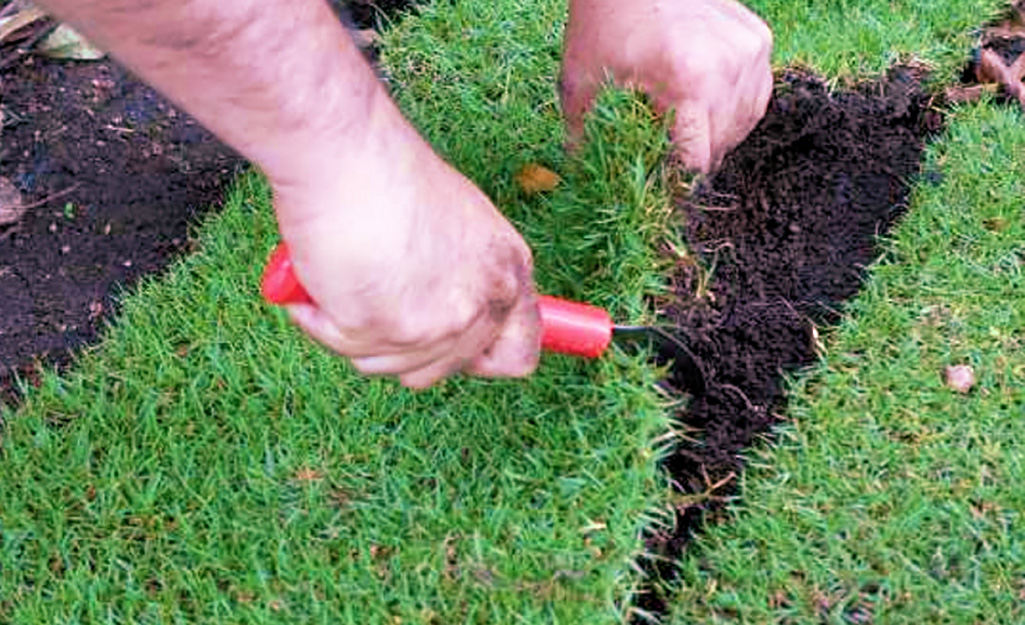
(785, 230)
(113, 176)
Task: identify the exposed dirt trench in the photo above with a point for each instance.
(115, 176)
(786, 229)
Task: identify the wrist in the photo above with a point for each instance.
(369, 153)
(350, 122)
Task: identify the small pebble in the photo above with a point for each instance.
(961, 378)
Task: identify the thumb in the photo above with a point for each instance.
(518, 347)
(692, 136)
(576, 94)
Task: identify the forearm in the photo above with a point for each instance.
(279, 80)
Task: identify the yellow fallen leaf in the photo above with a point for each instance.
(534, 178)
(67, 43)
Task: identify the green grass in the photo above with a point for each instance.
(206, 464)
(890, 497)
(851, 39)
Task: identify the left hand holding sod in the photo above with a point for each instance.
(706, 60)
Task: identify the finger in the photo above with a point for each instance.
(692, 137)
(319, 326)
(758, 80)
(740, 12)
(475, 341)
(312, 320)
(761, 103)
(433, 373)
(729, 129)
(516, 351)
(369, 359)
(399, 364)
(577, 94)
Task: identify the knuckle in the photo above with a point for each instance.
(516, 362)
(525, 365)
(461, 318)
(507, 290)
(689, 63)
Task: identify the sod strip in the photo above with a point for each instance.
(891, 497)
(207, 464)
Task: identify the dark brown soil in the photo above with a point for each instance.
(372, 13)
(125, 174)
(789, 225)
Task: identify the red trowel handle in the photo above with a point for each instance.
(573, 328)
(567, 327)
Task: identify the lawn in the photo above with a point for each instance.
(206, 464)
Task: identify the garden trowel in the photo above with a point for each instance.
(567, 327)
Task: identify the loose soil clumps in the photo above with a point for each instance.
(785, 231)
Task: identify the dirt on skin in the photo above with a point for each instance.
(789, 225)
(114, 176)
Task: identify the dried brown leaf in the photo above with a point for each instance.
(14, 22)
(306, 474)
(534, 178)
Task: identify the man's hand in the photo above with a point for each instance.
(413, 270)
(706, 60)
